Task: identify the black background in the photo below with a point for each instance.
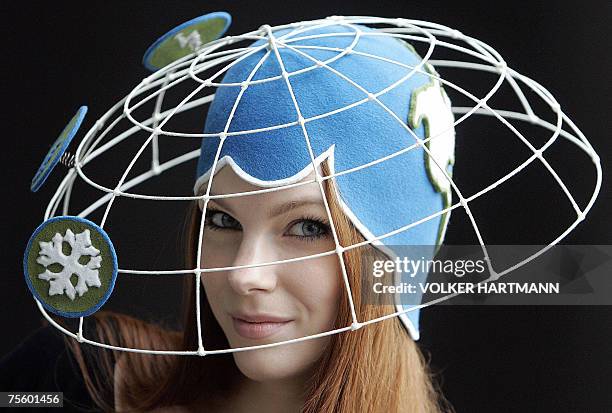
(59, 55)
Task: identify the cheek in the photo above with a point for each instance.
(213, 285)
(214, 282)
(317, 284)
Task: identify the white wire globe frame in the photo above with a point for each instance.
(207, 57)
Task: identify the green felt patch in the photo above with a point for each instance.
(103, 262)
(186, 39)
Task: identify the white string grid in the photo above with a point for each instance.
(212, 54)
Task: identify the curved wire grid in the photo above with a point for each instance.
(153, 89)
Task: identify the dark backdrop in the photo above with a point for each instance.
(60, 55)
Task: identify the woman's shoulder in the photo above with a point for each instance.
(42, 362)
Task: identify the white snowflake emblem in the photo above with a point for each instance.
(51, 253)
(193, 40)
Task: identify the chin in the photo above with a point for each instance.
(279, 363)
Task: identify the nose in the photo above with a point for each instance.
(246, 281)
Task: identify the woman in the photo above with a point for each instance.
(375, 368)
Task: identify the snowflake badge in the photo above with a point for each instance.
(70, 266)
(186, 39)
(80, 246)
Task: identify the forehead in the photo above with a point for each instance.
(227, 181)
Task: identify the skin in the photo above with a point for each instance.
(240, 231)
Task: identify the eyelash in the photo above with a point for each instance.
(209, 224)
(325, 226)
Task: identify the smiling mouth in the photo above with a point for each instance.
(257, 330)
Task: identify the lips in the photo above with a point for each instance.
(258, 326)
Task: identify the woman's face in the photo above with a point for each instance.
(272, 303)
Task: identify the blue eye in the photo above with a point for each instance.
(220, 220)
(309, 228)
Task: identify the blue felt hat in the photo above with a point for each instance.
(378, 199)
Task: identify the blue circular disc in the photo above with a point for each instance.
(185, 39)
(57, 149)
(70, 266)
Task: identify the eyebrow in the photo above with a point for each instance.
(276, 210)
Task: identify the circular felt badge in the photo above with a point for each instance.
(186, 39)
(57, 149)
(70, 266)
